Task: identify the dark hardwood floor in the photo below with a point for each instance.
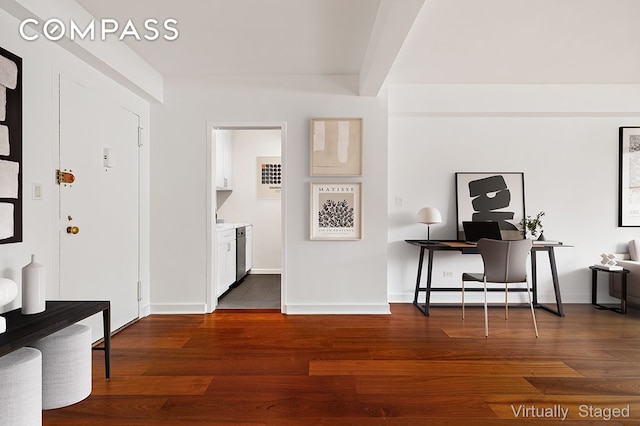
(265, 368)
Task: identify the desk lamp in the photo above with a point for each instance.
(429, 215)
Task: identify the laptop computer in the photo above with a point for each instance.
(473, 231)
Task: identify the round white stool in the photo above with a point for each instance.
(21, 388)
(66, 366)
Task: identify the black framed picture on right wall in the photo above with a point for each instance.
(629, 178)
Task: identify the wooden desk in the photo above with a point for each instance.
(432, 246)
(23, 330)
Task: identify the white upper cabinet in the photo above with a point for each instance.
(223, 160)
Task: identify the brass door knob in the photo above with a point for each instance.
(72, 230)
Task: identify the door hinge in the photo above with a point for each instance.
(140, 136)
(64, 177)
(139, 291)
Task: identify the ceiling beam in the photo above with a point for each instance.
(393, 22)
(113, 58)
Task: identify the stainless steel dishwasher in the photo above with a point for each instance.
(241, 253)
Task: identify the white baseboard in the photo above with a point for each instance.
(145, 311)
(174, 309)
(336, 309)
(400, 297)
(455, 297)
(254, 271)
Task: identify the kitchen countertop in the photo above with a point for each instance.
(229, 225)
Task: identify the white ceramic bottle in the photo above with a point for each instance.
(33, 287)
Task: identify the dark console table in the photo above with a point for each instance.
(23, 330)
(432, 246)
(623, 288)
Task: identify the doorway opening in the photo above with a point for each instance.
(245, 214)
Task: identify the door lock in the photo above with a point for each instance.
(72, 230)
(64, 177)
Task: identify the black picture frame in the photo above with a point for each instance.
(629, 177)
(498, 196)
(13, 121)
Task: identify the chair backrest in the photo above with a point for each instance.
(505, 261)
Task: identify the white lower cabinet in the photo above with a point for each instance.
(226, 268)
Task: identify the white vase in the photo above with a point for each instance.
(33, 287)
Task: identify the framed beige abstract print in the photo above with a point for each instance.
(336, 147)
(336, 212)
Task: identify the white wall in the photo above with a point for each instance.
(563, 137)
(42, 60)
(242, 205)
(319, 276)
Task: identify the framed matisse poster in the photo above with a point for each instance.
(336, 147)
(498, 196)
(336, 211)
(10, 147)
(629, 177)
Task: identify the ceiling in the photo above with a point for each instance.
(451, 41)
(250, 37)
(522, 42)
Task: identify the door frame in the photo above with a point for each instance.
(212, 201)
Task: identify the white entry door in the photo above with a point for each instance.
(99, 230)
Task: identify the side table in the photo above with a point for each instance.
(623, 288)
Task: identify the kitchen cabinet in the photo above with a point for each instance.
(224, 157)
(226, 267)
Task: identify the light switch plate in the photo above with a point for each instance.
(36, 191)
(108, 157)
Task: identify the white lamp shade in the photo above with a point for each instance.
(429, 215)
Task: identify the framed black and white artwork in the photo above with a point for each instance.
(629, 177)
(336, 211)
(269, 174)
(493, 196)
(10, 147)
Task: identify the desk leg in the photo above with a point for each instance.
(429, 274)
(106, 323)
(556, 286)
(534, 277)
(594, 287)
(556, 281)
(423, 308)
(419, 276)
(623, 298)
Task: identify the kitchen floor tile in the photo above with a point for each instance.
(256, 291)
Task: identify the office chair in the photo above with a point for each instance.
(504, 262)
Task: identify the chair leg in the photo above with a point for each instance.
(533, 312)
(506, 301)
(486, 315)
(462, 299)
